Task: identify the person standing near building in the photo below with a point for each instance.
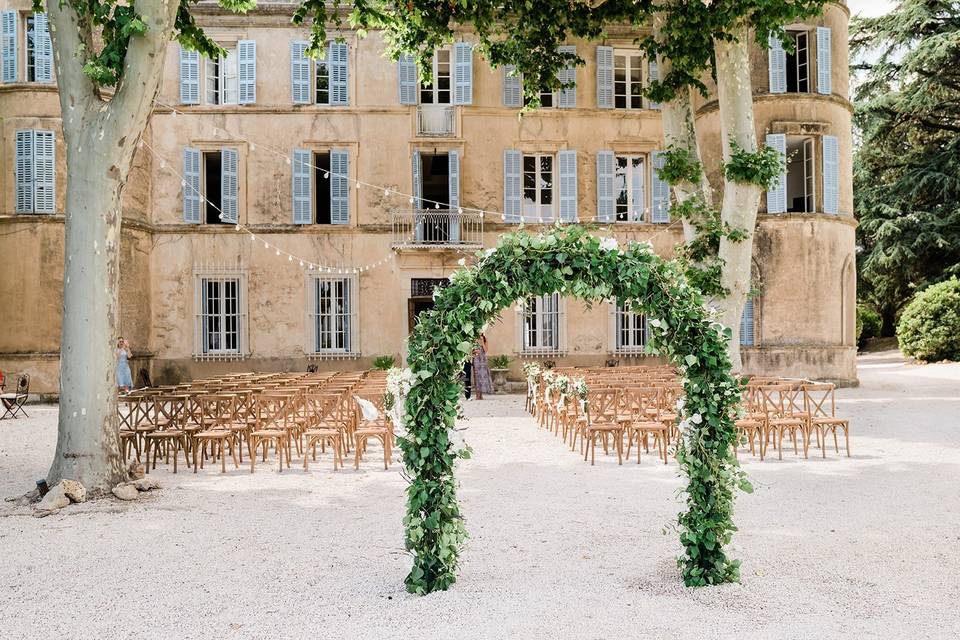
(481, 369)
(124, 378)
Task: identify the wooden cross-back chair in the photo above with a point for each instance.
(821, 406)
(642, 406)
(379, 429)
(219, 414)
(324, 427)
(271, 428)
(778, 403)
(168, 413)
(602, 421)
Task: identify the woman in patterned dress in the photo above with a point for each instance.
(481, 369)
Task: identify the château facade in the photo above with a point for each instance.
(379, 184)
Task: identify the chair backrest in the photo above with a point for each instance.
(221, 408)
(602, 405)
(170, 409)
(642, 403)
(820, 400)
(23, 384)
(777, 399)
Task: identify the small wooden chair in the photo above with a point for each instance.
(820, 401)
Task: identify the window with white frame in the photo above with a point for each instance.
(331, 315)
(35, 171)
(801, 178)
(211, 183)
(221, 314)
(796, 189)
(628, 79)
(541, 324)
(538, 182)
(798, 63)
(791, 63)
(438, 91)
(629, 329)
(630, 178)
(220, 76)
(27, 51)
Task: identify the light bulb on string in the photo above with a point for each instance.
(326, 174)
(436, 205)
(278, 251)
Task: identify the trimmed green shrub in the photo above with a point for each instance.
(869, 323)
(929, 327)
(384, 363)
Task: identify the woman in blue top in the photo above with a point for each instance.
(124, 379)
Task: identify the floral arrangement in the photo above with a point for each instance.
(399, 382)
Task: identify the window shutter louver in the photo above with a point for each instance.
(247, 71)
(567, 98)
(512, 86)
(606, 211)
(43, 48)
(824, 61)
(44, 172)
(777, 193)
(512, 185)
(604, 77)
(777, 65)
(416, 179)
(191, 187)
(831, 175)
(746, 324)
(8, 45)
(567, 162)
(339, 186)
(299, 73)
(229, 184)
(659, 190)
(453, 161)
(302, 186)
(189, 76)
(462, 73)
(653, 75)
(24, 171)
(338, 61)
(407, 79)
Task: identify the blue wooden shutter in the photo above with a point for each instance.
(606, 211)
(653, 75)
(8, 45)
(512, 86)
(339, 186)
(453, 199)
(605, 77)
(512, 185)
(777, 193)
(567, 98)
(44, 172)
(337, 61)
(43, 49)
(407, 79)
(567, 163)
(831, 175)
(189, 76)
(24, 171)
(462, 73)
(824, 61)
(299, 73)
(746, 324)
(453, 161)
(229, 184)
(659, 190)
(416, 179)
(302, 186)
(247, 71)
(777, 65)
(191, 187)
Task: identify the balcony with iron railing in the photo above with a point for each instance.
(435, 120)
(439, 228)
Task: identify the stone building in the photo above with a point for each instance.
(251, 164)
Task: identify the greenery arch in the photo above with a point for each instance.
(569, 260)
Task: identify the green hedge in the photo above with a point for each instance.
(869, 323)
(929, 327)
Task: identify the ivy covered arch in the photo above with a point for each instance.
(571, 261)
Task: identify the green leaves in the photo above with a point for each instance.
(760, 168)
(534, 264)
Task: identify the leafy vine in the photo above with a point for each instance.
(571, 261)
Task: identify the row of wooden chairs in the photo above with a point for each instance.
(636, 404)
(254, 414)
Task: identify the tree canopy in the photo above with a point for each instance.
(907, 167)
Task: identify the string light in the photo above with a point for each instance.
(358, 184)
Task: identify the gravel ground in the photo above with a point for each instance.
(853, 548)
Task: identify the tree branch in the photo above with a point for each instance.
(78, 95)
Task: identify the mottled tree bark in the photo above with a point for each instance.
(101, 137)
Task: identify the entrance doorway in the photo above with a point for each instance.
(421, 298)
